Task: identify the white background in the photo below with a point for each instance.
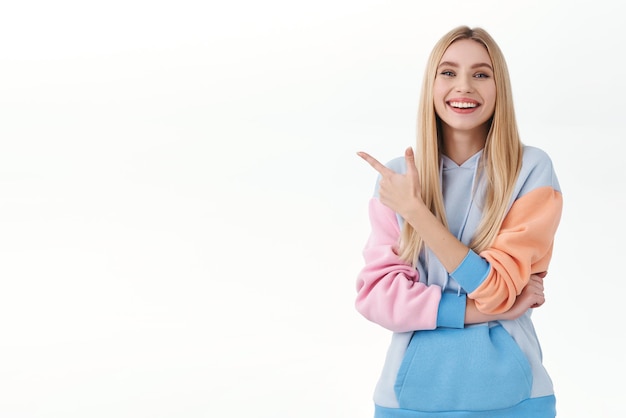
(182, 211)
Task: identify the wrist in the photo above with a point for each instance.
(415, 210)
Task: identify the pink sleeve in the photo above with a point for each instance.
(388, 290)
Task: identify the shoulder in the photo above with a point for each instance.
(535, 156)
(537, 171)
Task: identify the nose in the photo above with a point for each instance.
(464, 84)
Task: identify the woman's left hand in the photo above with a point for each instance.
(399, 192)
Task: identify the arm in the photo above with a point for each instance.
(402, 193)
(522, 247)
(388, 290)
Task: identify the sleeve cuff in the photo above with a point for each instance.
(451, 312)
(472, 271)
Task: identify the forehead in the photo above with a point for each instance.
(466, 51)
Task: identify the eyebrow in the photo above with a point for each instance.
(454, 64)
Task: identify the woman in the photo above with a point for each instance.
(462, 235)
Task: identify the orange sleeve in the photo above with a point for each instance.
(522, 247)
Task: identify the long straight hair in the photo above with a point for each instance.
(502, 155)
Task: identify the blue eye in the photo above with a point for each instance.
(481, 75)
(447, 73)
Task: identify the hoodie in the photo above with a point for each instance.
(435, 365)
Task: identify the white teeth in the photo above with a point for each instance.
(463, 105)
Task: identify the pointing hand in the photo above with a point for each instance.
(399, 192)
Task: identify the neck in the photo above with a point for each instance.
(459, 146)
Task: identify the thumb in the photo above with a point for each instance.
(409, 157)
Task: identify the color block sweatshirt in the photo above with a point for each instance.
(435, 365)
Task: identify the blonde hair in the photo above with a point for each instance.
(502, 155)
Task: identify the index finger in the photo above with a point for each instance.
(377, 165)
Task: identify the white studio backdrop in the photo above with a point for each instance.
(182, 211)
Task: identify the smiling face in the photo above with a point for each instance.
(464, 89)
